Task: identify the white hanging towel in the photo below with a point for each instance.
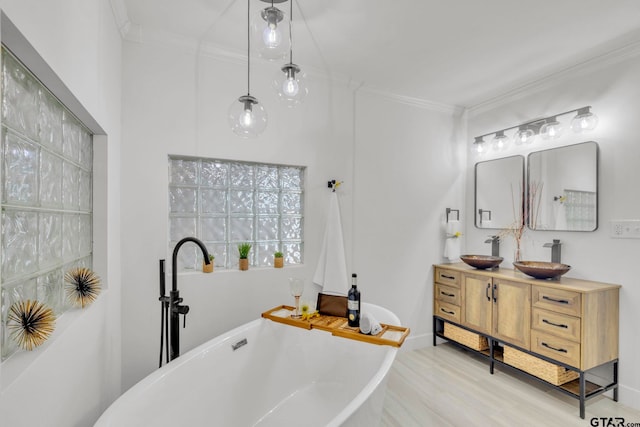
(452, 244)
(331, 272)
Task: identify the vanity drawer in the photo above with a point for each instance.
(447, 311)
(560, 325)
(448, 277)
(448, 294)
(557, 300)
(556, 348)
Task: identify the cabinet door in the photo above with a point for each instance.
(512, 312)
(476, 297)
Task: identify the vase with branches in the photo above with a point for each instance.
(525, 212)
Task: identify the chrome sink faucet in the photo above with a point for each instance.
(495, 245)
(555, 250)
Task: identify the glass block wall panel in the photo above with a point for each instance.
(225, 203)
(215, 174)
(46, 206)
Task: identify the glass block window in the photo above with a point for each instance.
(46, 165)
(224, 203)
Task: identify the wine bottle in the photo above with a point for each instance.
(353, 303)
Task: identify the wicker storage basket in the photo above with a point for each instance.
(468, 338)
(547, 371)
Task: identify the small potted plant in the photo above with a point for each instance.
(208, 268)
(243, 252)
(278, 259)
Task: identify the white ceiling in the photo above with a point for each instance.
(453, 52)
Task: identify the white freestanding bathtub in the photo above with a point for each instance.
(282, 376)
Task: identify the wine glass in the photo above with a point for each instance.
(296, 286)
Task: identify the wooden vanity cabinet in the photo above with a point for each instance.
(512, 312)
(496, 307)
(569, 322)
(447, 294)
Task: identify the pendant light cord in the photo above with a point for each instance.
(248, 49)
(290, 35)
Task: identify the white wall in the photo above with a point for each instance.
(73, 377)
(408, 164)
(613, 89)
(175, 102)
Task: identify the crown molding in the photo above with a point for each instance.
(137, 34)
(589, 65)
(121, 16)
(411, 101)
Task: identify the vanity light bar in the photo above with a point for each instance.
(547, 127)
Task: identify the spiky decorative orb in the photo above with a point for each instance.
(83, 286)
(30, 323)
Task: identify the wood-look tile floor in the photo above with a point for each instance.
(447, 386)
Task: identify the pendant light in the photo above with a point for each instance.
(247, 117)
(290, 82)
(267, 30)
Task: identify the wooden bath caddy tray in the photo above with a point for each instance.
(390, 334)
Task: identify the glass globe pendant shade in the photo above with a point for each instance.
(267, 32)
(524, 136)
(247, 117)
(584, 121)
(552, 129)
(290, 84)
(500, 141)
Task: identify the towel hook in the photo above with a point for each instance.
(333, 184)
(457, 211)
(481, 213)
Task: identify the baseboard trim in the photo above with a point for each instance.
(416, 342)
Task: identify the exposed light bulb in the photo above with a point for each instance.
(500, 141)
(272, 36)
(267, 29)
(584, 121)
(479, 145)
(247, 117)
(290, 87)
(524, 136)
(552, 129)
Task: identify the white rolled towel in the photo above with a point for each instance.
(369, 325)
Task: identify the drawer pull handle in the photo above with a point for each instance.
(444, 276)
(486, 292)
(493, 292)
(561, 301)
(446, 294)
(561, 350)
(447, 311)
(554, 324)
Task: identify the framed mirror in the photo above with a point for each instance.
(498, 182)
(563, 188)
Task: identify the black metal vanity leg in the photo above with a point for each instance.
(491, 359)
(582, 394)
(434, 331)
(615, 381)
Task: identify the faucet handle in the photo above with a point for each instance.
(183, 309)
